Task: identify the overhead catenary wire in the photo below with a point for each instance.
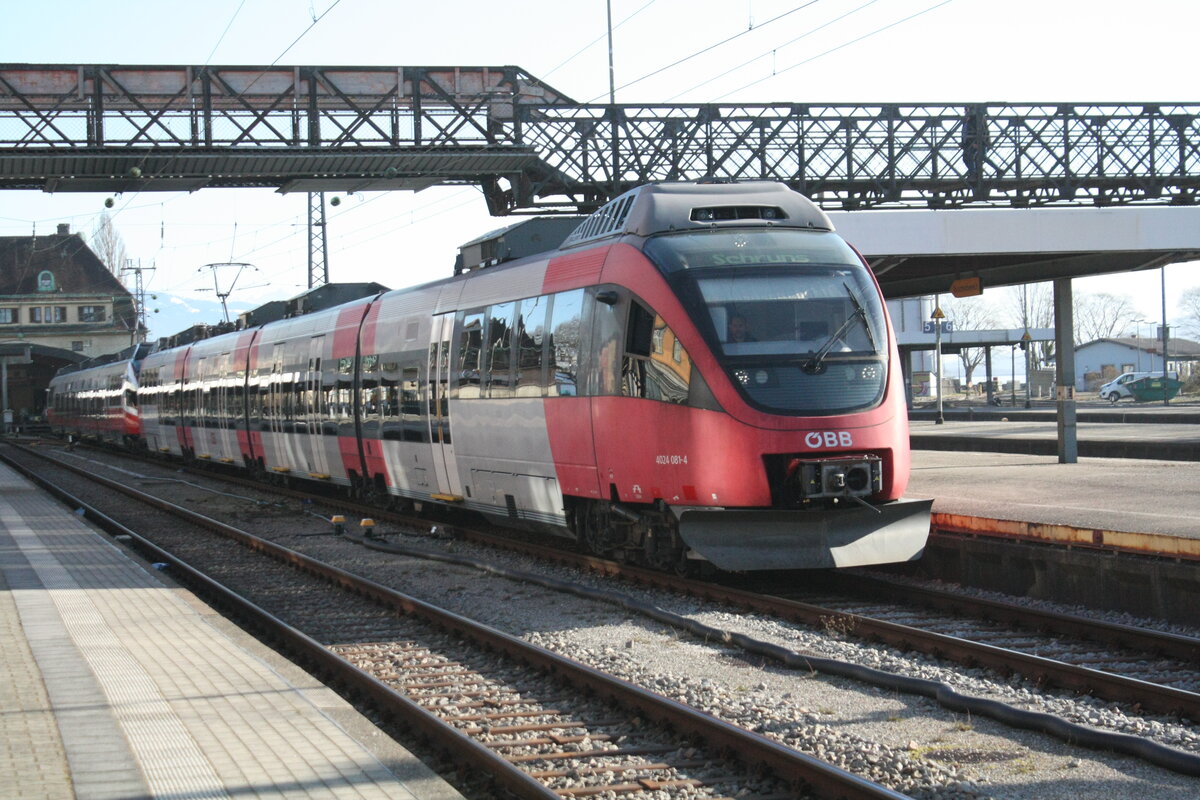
(225, 32)
(315, 21)
(775, 50)
(832, 50)
(713, 46)
(595, 41)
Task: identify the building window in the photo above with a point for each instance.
(8, 316)
(48, 314)
(46, 281)
(91, 313)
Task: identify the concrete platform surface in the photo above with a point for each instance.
(1021, 434)
(1119, 494)
(115, 684)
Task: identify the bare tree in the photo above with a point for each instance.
(1032, 305)
(1102, 316)
(108, 245)
(970, 314)
(1189, 304)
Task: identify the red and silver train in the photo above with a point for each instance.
(700, 372)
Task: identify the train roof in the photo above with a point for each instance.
(702, 205)
(134, 353)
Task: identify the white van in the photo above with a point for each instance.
(1115, 389)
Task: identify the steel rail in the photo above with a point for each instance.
(1185, 648)
(1151, 697)
(299, 643)
(753, 750)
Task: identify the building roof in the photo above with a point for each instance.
(1176, 347)
(76, 269)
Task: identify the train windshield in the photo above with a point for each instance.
(792, 315)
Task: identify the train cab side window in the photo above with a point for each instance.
(565, 325)
(656, 365)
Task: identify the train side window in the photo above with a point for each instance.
(470, 354)
(389, 400)
(370, 396)
(565, 329)
(531, 347)
(499, 344)
(415, 427)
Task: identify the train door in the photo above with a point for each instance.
(275, 411)
(315, 409)
(440, 360)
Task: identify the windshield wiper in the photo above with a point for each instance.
(816, 364)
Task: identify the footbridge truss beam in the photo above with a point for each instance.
(312, 129)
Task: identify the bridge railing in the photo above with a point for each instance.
(853, 156)
(100, 106)
(141, 122)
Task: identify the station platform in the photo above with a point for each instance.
(1095, 494)
(1028, 526)
(1142, 431)
(115, 683)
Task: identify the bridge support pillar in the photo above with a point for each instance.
(1064, 349)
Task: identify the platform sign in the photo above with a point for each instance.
(929, 326)
(967, 287)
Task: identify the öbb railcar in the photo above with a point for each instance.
(699, 373)
(97, 401)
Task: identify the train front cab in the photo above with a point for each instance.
(98, 403)
(789, 451)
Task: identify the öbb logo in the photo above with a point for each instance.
(817, 439)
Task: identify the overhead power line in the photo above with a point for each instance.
(775, 49)
(712, 47)
(835, 49)
(599, 38)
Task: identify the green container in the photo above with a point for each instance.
(1146, 389)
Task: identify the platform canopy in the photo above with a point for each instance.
(925, 251)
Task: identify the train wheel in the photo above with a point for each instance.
(375, 492)
(593, 529)
(685, 567)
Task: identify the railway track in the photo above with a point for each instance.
(539, 724)
(839, 617)
(1153, 671)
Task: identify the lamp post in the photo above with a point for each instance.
(1137, 338)
(1166, 394)
(1027, 346)
(1012, 374)
(612, 81)
(937, 318)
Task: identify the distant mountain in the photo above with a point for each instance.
(168, 314)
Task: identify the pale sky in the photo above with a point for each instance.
(826, 51)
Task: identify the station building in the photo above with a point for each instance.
(1100, 361)
(59, 305)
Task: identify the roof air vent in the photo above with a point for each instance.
(725, 213)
